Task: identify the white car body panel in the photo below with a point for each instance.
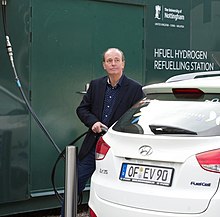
(207, 85)
(104, 208)
(181, 197)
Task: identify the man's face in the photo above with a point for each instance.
(113, 63)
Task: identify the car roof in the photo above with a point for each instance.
(208, 82)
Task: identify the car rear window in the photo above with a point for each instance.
(162, 114)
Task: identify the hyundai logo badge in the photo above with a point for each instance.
(145, 150)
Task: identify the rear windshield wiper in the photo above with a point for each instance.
(160, 129)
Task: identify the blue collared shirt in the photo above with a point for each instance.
(109, 101)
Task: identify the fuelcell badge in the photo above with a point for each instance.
(204, 184)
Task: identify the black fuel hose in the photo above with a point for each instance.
(58, 195)
(32, 112)
(10, 54)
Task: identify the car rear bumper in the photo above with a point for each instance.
(103, 208)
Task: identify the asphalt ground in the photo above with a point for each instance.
(81, 212)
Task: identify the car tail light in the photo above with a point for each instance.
(101, 149)
(187, 93)
(210, 160)
(91, 213)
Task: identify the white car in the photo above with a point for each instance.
(162, 158)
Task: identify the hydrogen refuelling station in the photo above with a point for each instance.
(57, 48)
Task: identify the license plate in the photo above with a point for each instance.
(146, 174)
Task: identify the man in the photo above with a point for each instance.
(106, 100)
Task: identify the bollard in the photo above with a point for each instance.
(71, 184)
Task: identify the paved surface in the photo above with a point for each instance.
(82, 212)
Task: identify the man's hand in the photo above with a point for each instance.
(97, 127)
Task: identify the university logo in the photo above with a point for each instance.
(157, 12)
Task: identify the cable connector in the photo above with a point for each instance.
(4, 2)
(10, 54)
(9, 48)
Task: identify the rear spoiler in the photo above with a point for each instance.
(193, 76)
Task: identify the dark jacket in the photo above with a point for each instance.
(90, 109)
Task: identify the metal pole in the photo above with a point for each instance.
(71, 184)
